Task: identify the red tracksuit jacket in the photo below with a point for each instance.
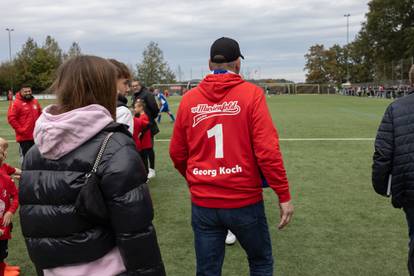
(22, 116)
(223, 138)
(7, 169)
(9, 202)
(142, 140)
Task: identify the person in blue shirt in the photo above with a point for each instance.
(163, 105)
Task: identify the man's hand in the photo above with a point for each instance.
(1, 233)
(286, 213)
(7, 218)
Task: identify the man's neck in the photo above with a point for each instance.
(222, 71)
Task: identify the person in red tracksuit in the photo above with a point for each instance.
(22, 116)
(223, 143)
(142, 133)
(9, 202)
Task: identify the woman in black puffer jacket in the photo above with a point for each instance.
(68, 137)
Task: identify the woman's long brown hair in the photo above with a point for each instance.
(86, 80)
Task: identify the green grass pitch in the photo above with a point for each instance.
(340, 226)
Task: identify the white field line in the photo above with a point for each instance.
(287, 139)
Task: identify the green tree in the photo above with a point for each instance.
(23, 63)
(315, 64)
(53, 50)
(376, 54)
(6, 76)
(74, 51)
(36, 66)
(153, 68)
(385, 38)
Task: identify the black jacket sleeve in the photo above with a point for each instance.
(152, 105)
(384, 151)
(130, 207)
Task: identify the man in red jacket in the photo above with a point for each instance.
(22, 116)
(225, 145)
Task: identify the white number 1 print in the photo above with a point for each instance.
(217, 132)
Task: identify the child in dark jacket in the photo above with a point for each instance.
(142, 133)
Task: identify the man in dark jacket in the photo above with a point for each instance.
(152, 110)
(393, 168)
(22, 116)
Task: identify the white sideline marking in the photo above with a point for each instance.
(288, 139)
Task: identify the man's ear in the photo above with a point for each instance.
(238, 66)
(210, 65)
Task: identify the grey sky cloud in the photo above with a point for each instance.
(274, 34)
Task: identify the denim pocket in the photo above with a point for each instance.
(246, 216)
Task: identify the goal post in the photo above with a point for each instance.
(304, 88)
(277, 88)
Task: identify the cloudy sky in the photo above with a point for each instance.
(274, 35)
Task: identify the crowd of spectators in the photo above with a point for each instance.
(378, 91)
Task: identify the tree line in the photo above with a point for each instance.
(383, 49)
(35, 65)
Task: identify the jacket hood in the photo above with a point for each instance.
(58, 134)
(215, 86)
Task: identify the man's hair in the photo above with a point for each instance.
(86, 80)
(223, 66)
(411, 75)
(121, 69)
(24, 85)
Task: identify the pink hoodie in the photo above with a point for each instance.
(58, 134)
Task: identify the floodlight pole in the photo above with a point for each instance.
(347, 44)
(9, 30)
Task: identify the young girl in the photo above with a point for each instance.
(4, 167)
(9, 202)
(142, 133)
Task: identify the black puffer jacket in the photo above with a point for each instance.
(394, 153)
(55, 235)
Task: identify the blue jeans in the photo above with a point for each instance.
(250, 227)
(409, 213)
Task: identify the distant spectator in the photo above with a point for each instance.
(22, 116)
(10, 96)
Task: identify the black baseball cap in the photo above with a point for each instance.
(225, 50)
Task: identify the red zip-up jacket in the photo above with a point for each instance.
(9, 202)
(22, 116)
(142, 140)
(7, 169)
(223, 138)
